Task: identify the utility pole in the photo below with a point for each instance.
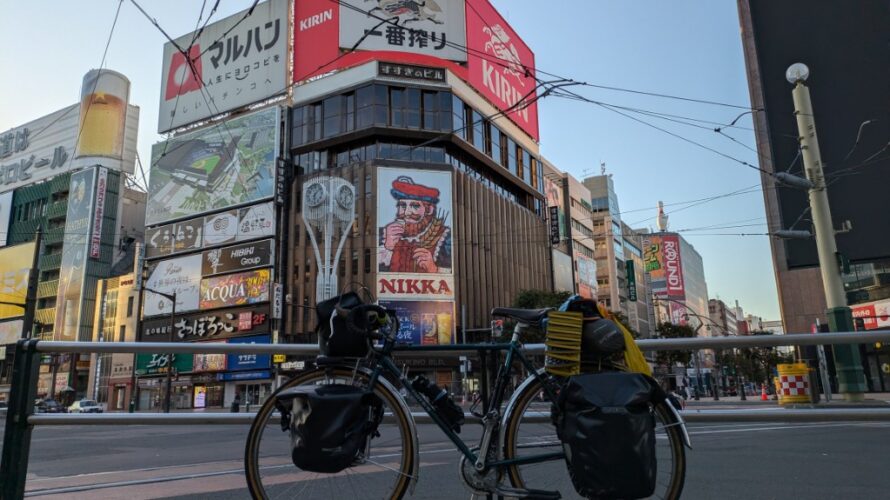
(851, 380)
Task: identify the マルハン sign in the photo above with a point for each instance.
(236, 61)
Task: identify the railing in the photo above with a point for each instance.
(20, 419)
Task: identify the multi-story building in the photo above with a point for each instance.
(117, 313)
(618, 251)
(723, 317)
(579, 218)
(852, 135)
(67, 175)
(402, 164)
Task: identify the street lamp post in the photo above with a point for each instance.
(169, 384)
(851, 380)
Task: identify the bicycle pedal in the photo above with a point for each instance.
(529, 494)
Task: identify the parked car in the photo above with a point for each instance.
(49, 406)
(85, 406)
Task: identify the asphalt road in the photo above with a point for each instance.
(729, 461)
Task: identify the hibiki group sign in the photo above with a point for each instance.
(236, 61)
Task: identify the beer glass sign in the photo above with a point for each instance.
(103, 113)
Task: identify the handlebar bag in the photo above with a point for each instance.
(607, 426)
(334, 336)
(329, 425)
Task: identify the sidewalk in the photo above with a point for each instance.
(872, 400)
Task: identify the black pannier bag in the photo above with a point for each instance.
(339, 341)
(329, 424)
(607, 426)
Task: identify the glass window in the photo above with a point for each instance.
(355, 260)
(314, 121)
(486, 136)
(495, 141)
(122, 335)
(367, 261)
(511, 156)
(458, 114)
(527, 172)
(478, 136)
(364, 97)
(430, 110)
(437, 155)
(368, 185)
(396, 107)
(381, 105)
(332, 110)
(412, 108)
(129, 307)
(445, 117)
(349, 112)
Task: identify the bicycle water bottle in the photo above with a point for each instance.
(441, 401)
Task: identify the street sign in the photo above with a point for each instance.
(631, 282)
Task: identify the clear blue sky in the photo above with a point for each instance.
(687, 48)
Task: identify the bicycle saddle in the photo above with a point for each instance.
(531, 316)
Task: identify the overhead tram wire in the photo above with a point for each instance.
(575, 96)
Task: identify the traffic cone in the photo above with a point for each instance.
(763, 396)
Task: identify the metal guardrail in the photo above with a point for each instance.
(687, 344)
(21, 420)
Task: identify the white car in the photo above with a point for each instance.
(85, 406)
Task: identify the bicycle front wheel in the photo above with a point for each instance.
(384, 474)
(529, 431)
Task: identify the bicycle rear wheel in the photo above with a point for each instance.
(384, 474)
(529, 431)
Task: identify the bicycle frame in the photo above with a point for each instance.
(385, 364)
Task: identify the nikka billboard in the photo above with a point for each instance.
(235, 61)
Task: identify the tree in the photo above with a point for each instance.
(535, 299)
(672, 331)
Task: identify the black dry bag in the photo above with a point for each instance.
(329, 425)
(607, 426)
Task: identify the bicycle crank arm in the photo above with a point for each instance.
(506, 491)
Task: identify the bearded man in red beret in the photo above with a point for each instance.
(418, 240)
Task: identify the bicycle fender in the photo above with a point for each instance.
(678, 419)
(511, 404)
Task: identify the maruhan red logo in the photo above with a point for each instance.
(180, 78)
(506, 80)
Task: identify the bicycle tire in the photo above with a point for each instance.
(557, 475)
(262, 423)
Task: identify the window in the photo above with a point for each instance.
(478, 136)
(122, 335)
(495, 141)
(511, 154)
(445, 116)
(368, 185)
(397, 107)
(129, 307)
(364, 98)
(381, 105)
(332, 118)
(355, 261)
(457, 114)
(412, 108)
(367, 260)
(430, 110)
